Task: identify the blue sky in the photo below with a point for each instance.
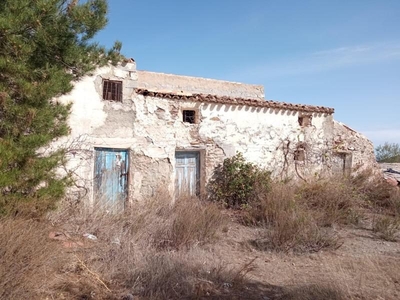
(338, 53)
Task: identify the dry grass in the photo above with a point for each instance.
(267, 207)
(377, 193)
(35, 267)
(295, 232)
(177, 275)
(300, 235)
(333, 201)
(302, 217)
(158, 222)
(368, 276)
(27, 256)
(291, 225)
(165, 250)
(315, 292)
(145, 251)
(150, 274)
(386, 227)
(384, 202)
(189, 222)
(389, 201)
(134, 253)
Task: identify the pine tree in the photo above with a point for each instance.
(44, 46)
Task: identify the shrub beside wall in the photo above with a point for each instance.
(235, 181)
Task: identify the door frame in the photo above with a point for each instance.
(347, 158)
(201, 155)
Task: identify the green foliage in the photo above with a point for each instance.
(44, 46)
(235, 181)
(388, 152)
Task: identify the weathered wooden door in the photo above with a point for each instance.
(111, 178)
(187, 173)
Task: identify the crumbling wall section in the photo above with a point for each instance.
(350, 142)
(195, 85)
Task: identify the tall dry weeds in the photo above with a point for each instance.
(159, 222)
(386, 227)
(29, 260)
(290, 225)
(267, 206)
(144, 250)
(333, 201)
(377, 193)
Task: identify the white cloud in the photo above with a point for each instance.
(321, 61)
(342, 51)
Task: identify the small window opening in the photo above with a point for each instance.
(112, 90)
(299, 154)
(305, 120)
(189, 116)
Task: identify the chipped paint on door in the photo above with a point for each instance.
(111, 178)
(187, 173)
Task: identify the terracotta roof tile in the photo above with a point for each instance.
(236, 101)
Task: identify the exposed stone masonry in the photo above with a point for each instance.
(196, 85)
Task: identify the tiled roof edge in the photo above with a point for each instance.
(236, 101)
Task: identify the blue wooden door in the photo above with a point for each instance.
(187, 173)
(111, 178)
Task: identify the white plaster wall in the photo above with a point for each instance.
(259, 132)
(89, 120)
(223, 130)
(152, 129)
(88, 111)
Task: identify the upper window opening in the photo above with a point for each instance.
(189, 116)
(305, 120)
(112, 90)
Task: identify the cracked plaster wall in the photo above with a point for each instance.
(152, 129)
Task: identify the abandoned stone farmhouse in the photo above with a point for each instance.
(134, 132)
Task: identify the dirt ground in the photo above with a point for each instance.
(363, 267)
